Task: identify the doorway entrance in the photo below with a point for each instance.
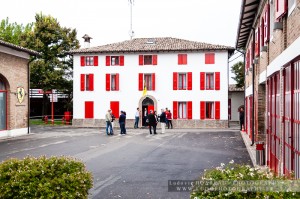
(146, 104)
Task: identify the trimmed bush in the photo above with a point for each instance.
(54, 177)
(243, 181)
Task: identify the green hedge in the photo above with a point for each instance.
(54, 177)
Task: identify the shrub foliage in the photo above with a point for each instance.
(54, 177)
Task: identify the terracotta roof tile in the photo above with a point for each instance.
(153, 44)
(232, 87)
(19, 48)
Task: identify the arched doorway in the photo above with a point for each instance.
(146, 104)
(3, 105)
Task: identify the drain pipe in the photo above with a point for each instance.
(253, 74)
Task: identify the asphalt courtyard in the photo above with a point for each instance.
(137, 165)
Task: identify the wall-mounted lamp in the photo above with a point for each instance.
(263, 49)
(278, 25)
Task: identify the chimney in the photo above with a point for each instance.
(87, 40)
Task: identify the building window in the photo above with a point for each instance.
(3, 104)
(89, 61)
(182, 59)
(112, 82)
(182, 81)
(210, 81)
(209, 110)
(209, 58)
(114, 61)
(87, 82)
(147, 80)
(182, 110)
(147, 60)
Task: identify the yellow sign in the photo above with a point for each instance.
(20, 94)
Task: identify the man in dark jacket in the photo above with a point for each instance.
(162, 120)
(152, 122)
(122, 119)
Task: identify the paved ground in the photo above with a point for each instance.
(137, 165)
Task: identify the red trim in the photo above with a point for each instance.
(89, 109)
(280, 8)
(141, 83)
(209, 58)
(115, 108)
(202, 110)
(107, 82)
(190, 80)
(122, 60)
(107, 61)
(117, 83)
(267, 23)
(141, 60)
(95, 60)
(175, 84)
(175, 109)
(154, 59)
(202, 80)
(217, 110)
(153, 81)
(190, 110)
(91, 82)
(82, 61)
(257, 42)
(217, 81)
(82, 82)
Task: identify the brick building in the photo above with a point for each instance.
(190, 78)
(269, 34)
(14, 84)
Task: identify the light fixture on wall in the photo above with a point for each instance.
(278, 25)
(263, 49)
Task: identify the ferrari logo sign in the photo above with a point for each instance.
(20, 94)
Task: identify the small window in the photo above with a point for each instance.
(113, 82)
(182, 81)
(209, 110)
(147, 59)
(182, 110)
(210, 81)
(89, 61)
(115, 60)
(148, 81)
(209, 58)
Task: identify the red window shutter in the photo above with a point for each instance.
(180, 59)
(217, 110)
(175, 109)
(108, 82)
(117, 83)
(248, 59)
(202, 80)
(217, 81)
(190, 80)
(190, 110)
(257, 40)
(175, 81)
(95, 60)
(89, 109)
(209, 58)
(153, 81)
(261, 34)
(82, 61)
(267, 23)
(82, 82)
(91, 83)
(115, 108)
(107, 61)
(154, 59)
(184, 59)
(280, 8)
(202, 110)
(141, 60)
(121, 60)
(141, 83)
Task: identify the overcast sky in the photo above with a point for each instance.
(108, 21)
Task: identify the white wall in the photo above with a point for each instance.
(237, 99)
(129, 95)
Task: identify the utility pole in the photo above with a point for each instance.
(131, 32)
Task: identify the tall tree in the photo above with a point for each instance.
(13, 32)
(238, 69)
(53, 69)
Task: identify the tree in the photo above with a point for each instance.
(238, 69)
(13, 32)
(53, 69)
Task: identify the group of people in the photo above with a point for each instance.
(151, 120)
(109, 118)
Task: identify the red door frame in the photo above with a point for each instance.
(6, 104)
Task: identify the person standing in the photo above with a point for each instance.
(108, 122)
(163, 121)
(137, 119)
(242, 118)
(122, 119)
(152, 122)
(112, 121)
(145, 116)
(169, 118)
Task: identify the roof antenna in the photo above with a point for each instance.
(131, 32)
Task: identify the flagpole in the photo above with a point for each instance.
(131, 33)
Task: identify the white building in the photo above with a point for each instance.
(190, 78)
